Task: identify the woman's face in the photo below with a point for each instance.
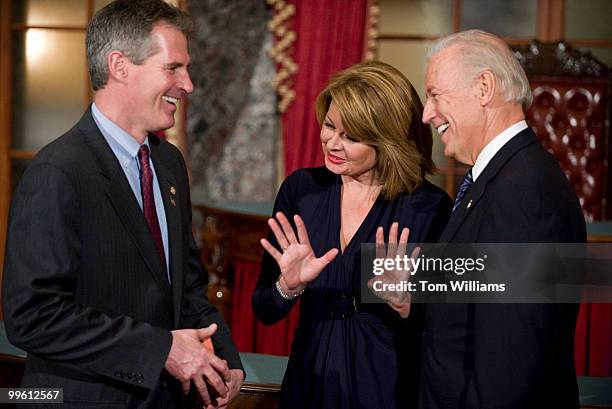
(343, 154)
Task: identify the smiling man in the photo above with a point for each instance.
(103, 284)
(507, 356)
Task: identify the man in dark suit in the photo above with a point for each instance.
(103, 284)
(497, 355)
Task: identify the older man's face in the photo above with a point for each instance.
(453, 106)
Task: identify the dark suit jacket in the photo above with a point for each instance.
(507, 355)
(85, 292)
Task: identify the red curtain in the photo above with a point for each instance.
(248, 334)
(243, 320)
(593, 348)
(276, 339)
(330, 37)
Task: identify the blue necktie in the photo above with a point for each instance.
(467, 182)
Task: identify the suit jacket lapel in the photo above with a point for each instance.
(122, 198)
(476, 191)
(169, 193)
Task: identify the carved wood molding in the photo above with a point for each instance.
(559, 59)
(570, 114)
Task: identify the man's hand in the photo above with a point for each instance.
(234, 389)
(398, 300)
(188, 361)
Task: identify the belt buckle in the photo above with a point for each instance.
(354, 310)
(347, 311)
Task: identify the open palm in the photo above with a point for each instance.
(399, 300)
(296, 260)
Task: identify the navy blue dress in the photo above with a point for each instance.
(346, 354)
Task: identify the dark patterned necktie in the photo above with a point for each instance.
(148, 201)
(467, 182)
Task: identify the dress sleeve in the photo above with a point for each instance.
(268, 305)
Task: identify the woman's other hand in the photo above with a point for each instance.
(399, 300)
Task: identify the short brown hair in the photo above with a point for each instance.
(126, 26)
(379, 107)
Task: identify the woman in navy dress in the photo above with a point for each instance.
(346, 354)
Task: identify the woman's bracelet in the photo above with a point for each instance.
(283, 294)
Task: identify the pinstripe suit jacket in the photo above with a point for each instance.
(85, 293)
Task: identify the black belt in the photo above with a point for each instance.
(319, 306)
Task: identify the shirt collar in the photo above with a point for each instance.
(122, 143)
(494, 146)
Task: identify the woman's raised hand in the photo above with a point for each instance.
(399, 300)
(296, 259)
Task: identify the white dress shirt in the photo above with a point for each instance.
(494, 146)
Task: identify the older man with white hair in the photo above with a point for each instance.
(497, 355)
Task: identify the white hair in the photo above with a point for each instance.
(480, 51)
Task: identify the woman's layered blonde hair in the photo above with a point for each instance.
(379, 107)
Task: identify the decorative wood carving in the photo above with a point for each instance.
(228, 236)
(558, 59)
(570, 114)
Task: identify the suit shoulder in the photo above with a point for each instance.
(533, 198)
(68, 152)
(169, 154)
(534, 167)
(166, 148)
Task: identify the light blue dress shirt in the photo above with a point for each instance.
(125, 148)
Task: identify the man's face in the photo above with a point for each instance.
(156, 86)
(453, 107)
